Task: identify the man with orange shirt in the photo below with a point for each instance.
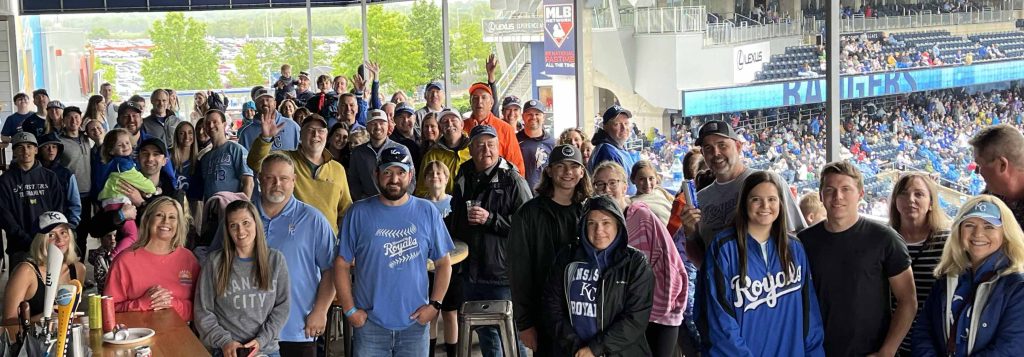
(481, 99)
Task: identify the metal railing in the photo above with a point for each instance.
(924, 18)
(729, 33)
(514, 67)
(669, 19)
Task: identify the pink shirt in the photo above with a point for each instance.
(135, 271)
(648, 235)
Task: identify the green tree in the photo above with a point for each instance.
(425, 25)
(99, 33)
(252, 65)
(398, 51)
(295, 51)
(180, 58)
(468, 44)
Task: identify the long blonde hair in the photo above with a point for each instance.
(261, 271)
(37, 250)
(180, 235)
(955, 259)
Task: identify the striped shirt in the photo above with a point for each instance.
(648, 235)
(924, 257)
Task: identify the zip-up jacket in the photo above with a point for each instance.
(767, 313)
(163, 131)
(24, 195)
(623, 289)
(500, 191)
(998, 330)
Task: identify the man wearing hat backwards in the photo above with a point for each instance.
(534, 141)
(50, 149)
(488, 191)
(26, 191)
(541, 227)
(609, 142)
(364, 157)
(320, 181)
(481, 99)
(391, 254)
(723, 153)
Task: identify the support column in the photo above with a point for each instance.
(832, 30)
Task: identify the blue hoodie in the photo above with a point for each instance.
(606, 149)
(772, 314)
(583, 288)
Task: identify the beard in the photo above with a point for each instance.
(275, 197)
(392, 193)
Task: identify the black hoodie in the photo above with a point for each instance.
(624, 295)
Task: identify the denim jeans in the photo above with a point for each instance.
(373, 340)
(490, 341)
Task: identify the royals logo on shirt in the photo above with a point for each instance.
(767, 290)
(402, 247)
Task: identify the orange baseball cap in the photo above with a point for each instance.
(480, 85)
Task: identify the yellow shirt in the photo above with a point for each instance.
(452, 158)
(326, 189)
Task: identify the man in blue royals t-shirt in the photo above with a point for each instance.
(391, 311)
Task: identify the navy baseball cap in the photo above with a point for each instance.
(72, 109)
(126, 106)
(434, 84)
(155, 142)
(394, 156)
(511, 101)
(614, 111)
(403, 108)
(482, 130)
(534, 104)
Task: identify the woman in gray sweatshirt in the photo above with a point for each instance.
(242, 300)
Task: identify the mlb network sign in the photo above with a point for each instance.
(559, 37)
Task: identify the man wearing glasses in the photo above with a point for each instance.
(320, 181)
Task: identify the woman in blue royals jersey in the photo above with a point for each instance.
(759, 300)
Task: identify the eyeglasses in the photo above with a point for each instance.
(600, 185)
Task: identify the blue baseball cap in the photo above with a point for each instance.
(403, 108)
(434, 84)
(394, 156)
(984, 210)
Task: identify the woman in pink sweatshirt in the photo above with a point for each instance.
(649, 235)
(157, 272)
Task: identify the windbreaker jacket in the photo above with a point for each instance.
(997, 331)
(500, 191)
(606, 149)
(624, 304)
(772, 314)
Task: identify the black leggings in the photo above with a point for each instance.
(662, 339)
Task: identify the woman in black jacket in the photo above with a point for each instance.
(598, 297)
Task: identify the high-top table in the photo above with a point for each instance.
(173, 336)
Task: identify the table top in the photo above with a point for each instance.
(173, 336)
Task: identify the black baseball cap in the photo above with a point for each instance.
(126, 106)
(715, 127)
(40, 91)
(614, 111)
(565, 152)
(72, 109)
(394, 156)
(534, 104)
(156, 142)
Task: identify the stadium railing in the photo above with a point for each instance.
(917, 19)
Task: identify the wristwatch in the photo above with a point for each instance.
(436, 304)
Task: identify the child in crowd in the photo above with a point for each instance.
(119, 169)
(812, 208)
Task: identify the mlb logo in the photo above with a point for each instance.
(558, 22)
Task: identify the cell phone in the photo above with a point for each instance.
(243, 352)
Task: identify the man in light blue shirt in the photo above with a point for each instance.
(391, 308)
(287, 138)
(307, 241)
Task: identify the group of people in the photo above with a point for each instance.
(253, 241)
